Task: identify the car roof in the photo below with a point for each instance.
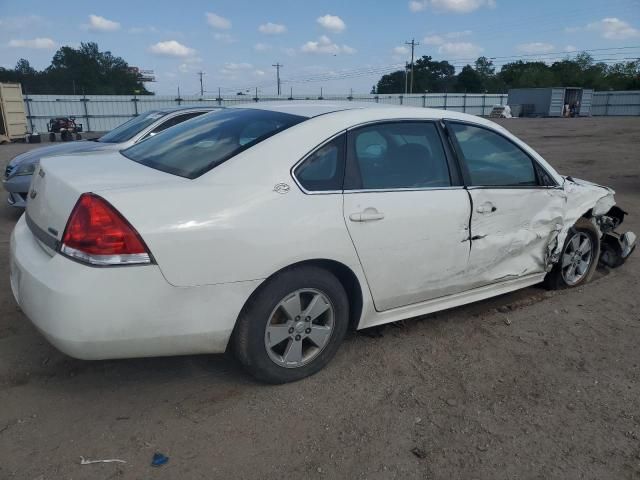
(187, 107)
(366, 111)
(310, 108)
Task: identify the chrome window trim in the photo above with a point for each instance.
(387, 190)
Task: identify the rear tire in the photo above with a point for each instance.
(292, 326)
(579, 257)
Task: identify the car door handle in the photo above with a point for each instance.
(486, 207)
(367, 215)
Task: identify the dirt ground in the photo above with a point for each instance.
(529, 385)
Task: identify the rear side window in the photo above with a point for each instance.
(193, 148)
(323, 170)
(491, 159)
(396, 155)
(129, 129)
(173, 121)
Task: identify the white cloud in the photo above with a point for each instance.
(216, 21)
(570, 48)
(326, 46)
(439, 39)
(460, 49)
(454, 6)
(332, 23)
(535, 47)
(259, 73)
(272, 28)
(614, 29)
(238, 66)
(400, 53)
(171, 48)
(433, 40)
(401, 50)
(101, 24)
(261, 47)
(223, 37)
(232, 69)
(39, 43)
(290, 52)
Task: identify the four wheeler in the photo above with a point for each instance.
(66, 127)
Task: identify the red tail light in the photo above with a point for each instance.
(98, 234)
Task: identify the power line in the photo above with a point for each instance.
(389, 68)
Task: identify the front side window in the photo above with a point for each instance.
(323, 170)
(397, 155)
(491, 159)
(129, 129)
(193, 148)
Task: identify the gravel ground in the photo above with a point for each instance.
(532, 384)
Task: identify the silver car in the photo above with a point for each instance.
(19, 171)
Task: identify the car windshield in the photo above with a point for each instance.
(127, 130)
(196, 146)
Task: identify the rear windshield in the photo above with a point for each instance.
(195, 147)
(127, 130)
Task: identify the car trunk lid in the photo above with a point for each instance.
(58, 183)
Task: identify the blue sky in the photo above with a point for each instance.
(336, 45)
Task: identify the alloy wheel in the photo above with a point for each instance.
(299, 328)
(576, 258)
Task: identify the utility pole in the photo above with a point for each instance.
(406, 77)
(201, 74)
(278, 67)
(413, 44)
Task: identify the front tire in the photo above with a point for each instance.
(579, 257)
(292, 326)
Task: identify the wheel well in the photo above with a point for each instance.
(345, 276)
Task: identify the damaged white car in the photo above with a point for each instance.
(273, 228)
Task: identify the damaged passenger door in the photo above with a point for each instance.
(517, 207)
(407, 212)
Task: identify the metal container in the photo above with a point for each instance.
(13, 121)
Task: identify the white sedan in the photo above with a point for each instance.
(274, 228)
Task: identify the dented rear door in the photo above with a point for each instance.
(517, 209)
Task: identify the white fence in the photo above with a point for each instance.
(99, 113)
(616, 103)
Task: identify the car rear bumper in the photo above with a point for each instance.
(118, 312)
(18, 187)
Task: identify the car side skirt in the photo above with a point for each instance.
(450, 301)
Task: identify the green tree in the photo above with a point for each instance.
(77, 70)
(470, 81)
(527, 74)
(485, 67)
(428, 76)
